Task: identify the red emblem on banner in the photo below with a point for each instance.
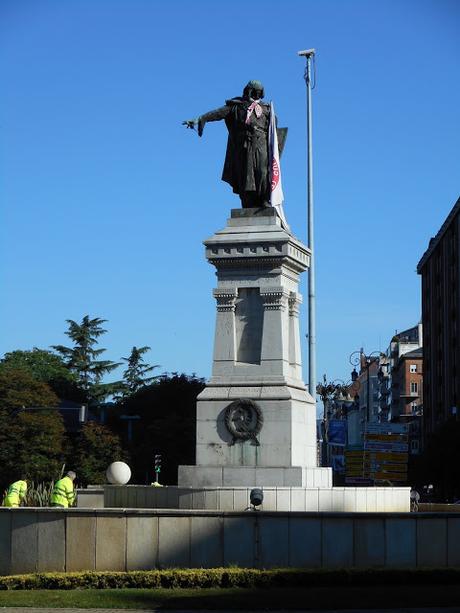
(275, 174)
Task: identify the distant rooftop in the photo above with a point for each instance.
(407, 336)
(415, 353)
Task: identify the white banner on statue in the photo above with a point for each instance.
(276, 196)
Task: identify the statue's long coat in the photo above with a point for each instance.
(246, 166)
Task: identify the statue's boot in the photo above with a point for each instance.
(252, 200)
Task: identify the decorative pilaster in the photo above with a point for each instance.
(275, 330)
(295, 300)
(224, 339)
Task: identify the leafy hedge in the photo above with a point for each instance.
(228, 577)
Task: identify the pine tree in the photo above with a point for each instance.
(134, 377)
(82, 358)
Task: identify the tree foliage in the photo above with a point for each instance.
(41, 444)
(83, 357)
(167, 411)
(135, 376)
(42, 364)
(47, 367)
(18, 389)
(35, 441)
(31, 443)
(95, 448)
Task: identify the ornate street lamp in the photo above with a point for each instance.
(333, 392)
(364, 361)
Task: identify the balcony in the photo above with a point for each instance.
(410, 395)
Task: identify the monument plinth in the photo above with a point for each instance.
(256, 422)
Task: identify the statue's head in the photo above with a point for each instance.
(254, 90)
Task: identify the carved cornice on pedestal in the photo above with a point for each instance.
(275, 299)
(260, 256)
(256, 242)
(225, 299)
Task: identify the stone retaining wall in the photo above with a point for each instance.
(336, 499)
(41, 540)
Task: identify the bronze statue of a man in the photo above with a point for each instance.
(247, 160)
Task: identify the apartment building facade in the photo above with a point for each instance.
(439, 269)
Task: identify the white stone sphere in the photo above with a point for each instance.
(118, 473)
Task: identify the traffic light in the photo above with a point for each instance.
(158, 462)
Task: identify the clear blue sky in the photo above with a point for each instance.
(106, 198)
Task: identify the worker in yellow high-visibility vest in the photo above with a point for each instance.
(63, 493)
(15, 493)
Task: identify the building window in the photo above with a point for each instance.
(413, 387)
(414, 446)
(414, 408)
(413, 368)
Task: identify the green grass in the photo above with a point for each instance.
(239, 598)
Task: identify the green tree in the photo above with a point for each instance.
(31, 441)
(135, 376)
(82, 358)
(18, 389)
(41, 444)
(95, 448)
(47, 367)
(10, 435)
(167, 411)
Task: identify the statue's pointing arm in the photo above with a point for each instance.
(216, 115)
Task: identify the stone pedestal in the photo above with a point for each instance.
(256, 422)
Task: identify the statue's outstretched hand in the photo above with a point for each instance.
(190, 123)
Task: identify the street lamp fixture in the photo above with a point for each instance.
(365, 361)
(335, 391)
(256, 498)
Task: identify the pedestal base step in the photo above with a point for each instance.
(251, 476)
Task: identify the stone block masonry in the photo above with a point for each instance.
(45, 540)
